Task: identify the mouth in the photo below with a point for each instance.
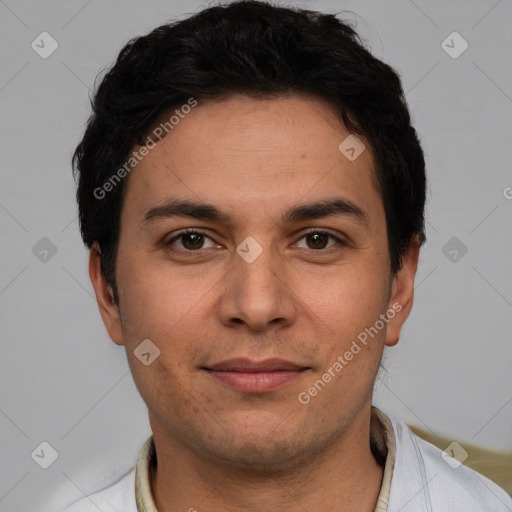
(255, 376)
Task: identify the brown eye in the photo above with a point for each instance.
(318, 240)
(191, 241)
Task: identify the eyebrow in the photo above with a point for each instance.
(303, 212)
(325, 208)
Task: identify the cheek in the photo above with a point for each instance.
(173, 317)
(170, 320)
(346, 299)
(155, 304)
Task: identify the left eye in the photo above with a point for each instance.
(319, 240)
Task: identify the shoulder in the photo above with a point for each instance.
(424, 479)
(119, 496)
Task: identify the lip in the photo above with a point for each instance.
(255, 376)
(246, 365)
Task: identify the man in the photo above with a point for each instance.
(252, 193)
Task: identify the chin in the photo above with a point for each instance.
(264, 450)
(261, 457)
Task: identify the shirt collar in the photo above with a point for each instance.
(382, 441)
(145, 463)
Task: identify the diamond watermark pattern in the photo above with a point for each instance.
(44, 45)
(249, 249)
(44, 455)
(351, 147)
(44, 250)
(454, 455)
(454, 45)
(146, 352)
(454, 249)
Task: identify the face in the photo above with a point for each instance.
(253, 253)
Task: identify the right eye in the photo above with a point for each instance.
(191, 240)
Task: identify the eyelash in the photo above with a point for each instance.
(339, 241)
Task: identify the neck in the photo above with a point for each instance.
(346, 474)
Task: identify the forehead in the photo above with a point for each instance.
(251, 154)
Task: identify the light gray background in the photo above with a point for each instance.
(65, 382)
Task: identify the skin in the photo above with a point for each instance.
(219, 448)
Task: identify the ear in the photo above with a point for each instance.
(104, 296)
(402, 292)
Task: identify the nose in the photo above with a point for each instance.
(257, 294)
